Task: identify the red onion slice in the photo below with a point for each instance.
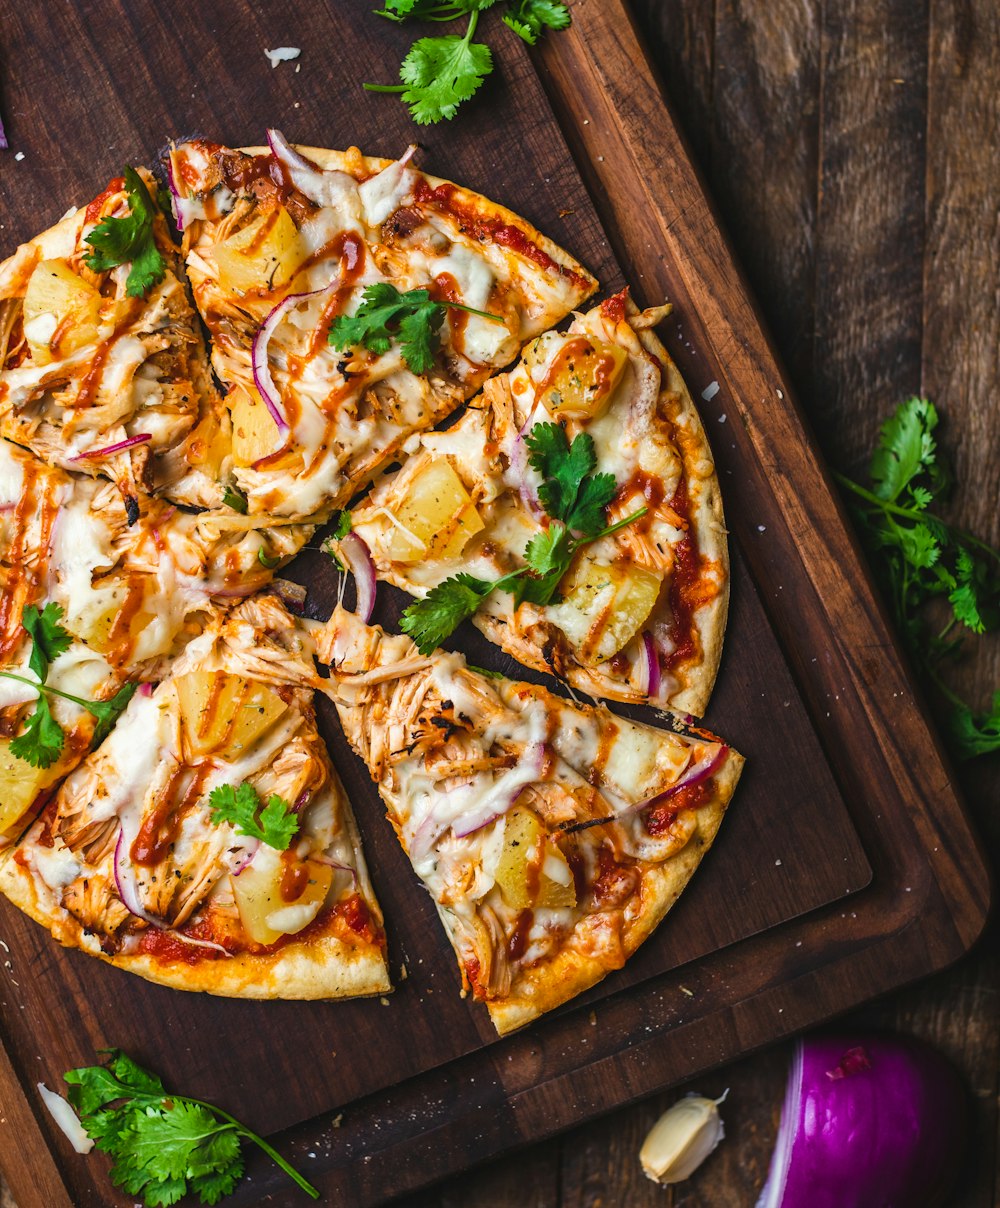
(293, 595)
(108, 450)
(692, 776)
(258, 353)
(649, 666)
(125, 883)
(886, 1134)
(520, 467)
(4, 145)
(359, 561)
(528, 770)
(324, 186)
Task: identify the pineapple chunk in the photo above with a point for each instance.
(438, 511)
(582, 377)
(604, 607)
(532, 871)
(255, 434)
(264, 912)
(262, 257)
(224, 714)
(20, 784)
(61, 312)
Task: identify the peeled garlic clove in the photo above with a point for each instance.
(682, 1139)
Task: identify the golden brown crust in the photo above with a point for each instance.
(318, 968)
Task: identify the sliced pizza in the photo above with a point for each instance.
(208, 844)
(103, 368)
(351, 302)
(552, 836)
(100, 602)
(574, 509)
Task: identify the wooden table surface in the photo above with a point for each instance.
(851, 148)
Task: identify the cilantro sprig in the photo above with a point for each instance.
(130, 241)
(43, 739)
(922, 558)
(240, 805)
(413, 318)
(576, 501)
(163, 1146)
(439, 73)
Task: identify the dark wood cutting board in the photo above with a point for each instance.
(845, 866)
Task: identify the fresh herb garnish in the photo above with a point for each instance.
(530, 18)
(43, 739)
(234, 498)
(276, 824)
(268, 561)
(440, 73)
(413, 318)
(923, 558)
(163, 1146)
(130, 240)
(341, 527)
(576, 501)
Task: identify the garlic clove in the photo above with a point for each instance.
(682, 1139)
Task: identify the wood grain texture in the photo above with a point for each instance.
(523, 1090)
(956, 365)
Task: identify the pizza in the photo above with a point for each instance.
(167, 802)
(280, 243)
(127, 597)
(207, 844)
(635, 615)
(104, 371)
(552, 836)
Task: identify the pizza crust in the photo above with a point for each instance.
(324, 967)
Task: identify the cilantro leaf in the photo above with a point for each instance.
(441, 73)
(107, 712)
(431, 10)
(234, 498)
(49, 637)
(413, 318)
(530, 18)
(549, 554)
(42, 742)
(130, 241)
(905, 448)
(342, 525)
(569, 492)
(240, 805)
(922, 559)
(268, 561)
(163, 1146)
(434, 618)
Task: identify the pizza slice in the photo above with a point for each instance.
(90, 603)
(208, 844)
(351, 302)
(103, 368)
(574, 511)
(553, 837)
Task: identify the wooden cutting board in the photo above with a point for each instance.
(845, 867)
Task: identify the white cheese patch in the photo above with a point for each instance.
(56, 865)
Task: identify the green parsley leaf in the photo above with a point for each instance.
(107, 712)
(163, 1146)
(49, 637)
(239, 805)
(976, 733)
(413, 318)
(266, 560)
(42, 742)
(431, 10)
(130, 240)
(440, 73)
(530, 18)
(341, 525)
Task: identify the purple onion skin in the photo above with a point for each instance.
(886, 1137)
